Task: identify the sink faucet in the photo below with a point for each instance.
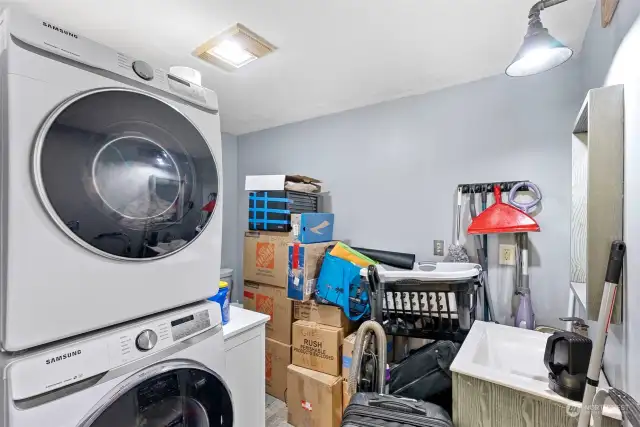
(578, 325)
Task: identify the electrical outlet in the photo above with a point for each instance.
(438, 247)
(507, 255)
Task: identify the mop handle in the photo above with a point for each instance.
(458, 215)
(612, 278)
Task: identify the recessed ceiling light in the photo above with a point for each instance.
(233, 48)
(232, 53)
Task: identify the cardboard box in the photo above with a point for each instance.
(317, 347)
(266, 257)
(305, 261)
(347, 352)
(321, 313)
(345, 395)
(276, 359)
(272, 301)
(312, 227)
(278, 182)
(314, 398)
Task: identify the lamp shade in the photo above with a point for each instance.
(539, 52)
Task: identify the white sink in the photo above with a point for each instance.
(512, 352)
(514, 358)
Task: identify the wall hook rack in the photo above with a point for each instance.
(505, 186)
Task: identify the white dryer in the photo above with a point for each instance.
(164, 370)
(110, 192)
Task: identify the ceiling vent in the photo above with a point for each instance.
(235, 47)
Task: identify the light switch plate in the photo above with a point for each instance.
(438, 247)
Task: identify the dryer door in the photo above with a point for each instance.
(125, 174)
(169, 394)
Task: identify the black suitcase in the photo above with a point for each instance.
(425, 374)
(375, 410)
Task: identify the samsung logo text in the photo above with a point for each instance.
(58, 29)
(63, 357)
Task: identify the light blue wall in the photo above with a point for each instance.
(409, 154)
(601, 44)
(600, 48)
(230, 204)
(392, 168)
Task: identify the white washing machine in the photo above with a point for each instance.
(163, 370)
(110, 192)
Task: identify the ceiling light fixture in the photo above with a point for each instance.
(232, 53)
(235, 47)
(539, 51)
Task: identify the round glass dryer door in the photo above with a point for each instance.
(185, 397)
(125, 174)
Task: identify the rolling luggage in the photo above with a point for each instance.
(375, 410)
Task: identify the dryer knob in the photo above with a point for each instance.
(143, 70)
(146, 340)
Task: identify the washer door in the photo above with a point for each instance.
(124, 174)
(184, 396)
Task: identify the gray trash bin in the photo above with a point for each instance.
(226, 275)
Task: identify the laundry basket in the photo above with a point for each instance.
(433, 301)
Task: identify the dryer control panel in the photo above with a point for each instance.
(75, 361)
(53, 38)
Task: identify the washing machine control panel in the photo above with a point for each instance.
(154, 337)
(67, 364)
(189, 325)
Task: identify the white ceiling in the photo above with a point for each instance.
(333, 55)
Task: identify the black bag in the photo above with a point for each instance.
(375, 410)
(425, 373)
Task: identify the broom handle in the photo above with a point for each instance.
(458, 216)
(612, 278)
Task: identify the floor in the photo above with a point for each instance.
(275, 412)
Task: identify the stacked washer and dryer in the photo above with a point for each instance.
(110, 194)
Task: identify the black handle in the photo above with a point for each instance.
(614, 268)
(373, 278)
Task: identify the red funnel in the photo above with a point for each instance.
(502, 218)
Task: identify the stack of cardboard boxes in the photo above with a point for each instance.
(269, 261)
(315, 382)
(309, 345)
(304, 339)
(265, 273)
